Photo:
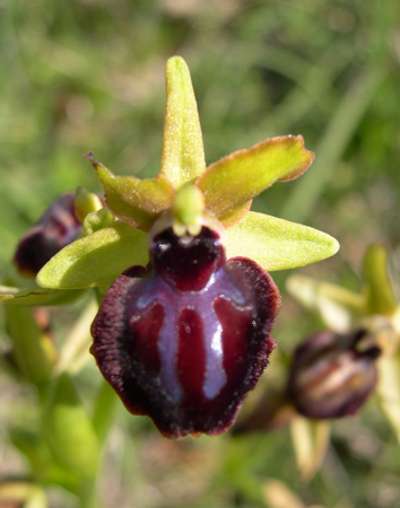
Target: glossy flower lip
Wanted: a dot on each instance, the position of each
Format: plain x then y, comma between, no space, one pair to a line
333,375
57,227
186,352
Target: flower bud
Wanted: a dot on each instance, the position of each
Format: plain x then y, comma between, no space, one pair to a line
332,375
57,227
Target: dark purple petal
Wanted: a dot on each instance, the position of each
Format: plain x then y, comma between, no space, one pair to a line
185,356
333,375
57,228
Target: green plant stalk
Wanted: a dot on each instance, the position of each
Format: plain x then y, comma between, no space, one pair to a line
104,409
76,345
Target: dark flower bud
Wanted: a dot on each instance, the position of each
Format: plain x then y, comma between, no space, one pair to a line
186,339
57,227
332,375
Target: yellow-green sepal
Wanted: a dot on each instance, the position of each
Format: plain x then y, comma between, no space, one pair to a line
95,260
183,153
135,201
277,244
242,175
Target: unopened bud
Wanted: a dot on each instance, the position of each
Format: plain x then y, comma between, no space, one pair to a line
332,375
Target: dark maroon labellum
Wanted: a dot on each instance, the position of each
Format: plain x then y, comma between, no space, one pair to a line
57,227
333,375
184,341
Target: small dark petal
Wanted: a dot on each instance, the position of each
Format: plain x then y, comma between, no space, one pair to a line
56,228
186,358
333,375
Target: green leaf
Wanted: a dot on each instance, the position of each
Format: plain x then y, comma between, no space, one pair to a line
183,152
238,177
37,297
135,201
337,306
276,244
68,430
379,290
30,444
32,348
96,259
310,442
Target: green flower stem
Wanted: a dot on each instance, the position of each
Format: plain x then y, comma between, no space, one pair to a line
310,442
104,410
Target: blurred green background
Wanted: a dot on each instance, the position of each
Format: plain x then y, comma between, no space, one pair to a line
88,75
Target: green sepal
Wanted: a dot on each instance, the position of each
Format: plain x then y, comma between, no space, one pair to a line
277,244
32,348
240,176
37,297
337,306
235,215
183,153
378,287
96,259
68,430
133,200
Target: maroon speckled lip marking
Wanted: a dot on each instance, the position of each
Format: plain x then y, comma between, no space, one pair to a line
57,227
186,340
